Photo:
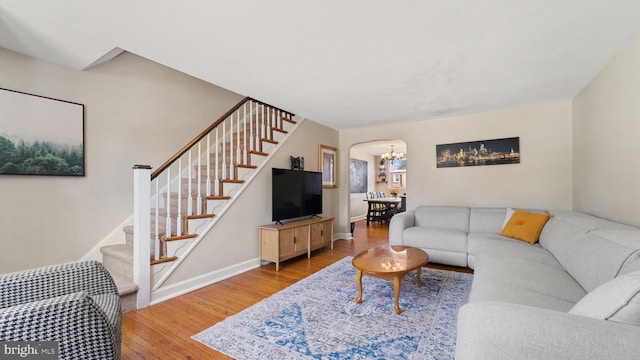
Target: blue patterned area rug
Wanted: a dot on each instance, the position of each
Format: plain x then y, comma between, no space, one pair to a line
318,318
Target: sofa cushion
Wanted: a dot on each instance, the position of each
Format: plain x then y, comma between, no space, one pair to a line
507,217
486,220
452,217
515,294
591,259
629,238
435,238
525,282
502,246
525,226
616,300
589,222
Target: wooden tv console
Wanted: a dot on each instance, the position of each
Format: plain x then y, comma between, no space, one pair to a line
282,242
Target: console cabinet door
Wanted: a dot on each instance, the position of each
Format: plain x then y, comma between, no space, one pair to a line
321,234
301,239
287,244
316,236
327,233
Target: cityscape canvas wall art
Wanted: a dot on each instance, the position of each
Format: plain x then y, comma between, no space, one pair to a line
40,135
475,153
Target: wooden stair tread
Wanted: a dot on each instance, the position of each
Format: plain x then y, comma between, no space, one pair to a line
289,120
180,237
246,166
232,181
255,152
164,260
280,130
201,216
219,197
269,141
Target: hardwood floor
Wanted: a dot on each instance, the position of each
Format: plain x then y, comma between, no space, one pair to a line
164,331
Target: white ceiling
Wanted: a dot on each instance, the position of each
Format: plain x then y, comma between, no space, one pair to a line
345,64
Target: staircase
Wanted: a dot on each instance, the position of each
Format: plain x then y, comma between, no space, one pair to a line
195,187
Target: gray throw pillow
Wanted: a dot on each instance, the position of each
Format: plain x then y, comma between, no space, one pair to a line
616,300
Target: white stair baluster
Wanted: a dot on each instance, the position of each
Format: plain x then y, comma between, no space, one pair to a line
167,229
269,123
216,180
199,199
252,144
263,126
189,190
208,191
238,132
156,254
279,120
244,139
274,123
231,160
178,222
224,149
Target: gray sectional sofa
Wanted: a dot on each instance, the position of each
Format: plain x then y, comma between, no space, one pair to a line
573,295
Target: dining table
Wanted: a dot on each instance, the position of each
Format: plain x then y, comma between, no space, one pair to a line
382,209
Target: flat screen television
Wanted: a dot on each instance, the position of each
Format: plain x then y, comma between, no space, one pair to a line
295,194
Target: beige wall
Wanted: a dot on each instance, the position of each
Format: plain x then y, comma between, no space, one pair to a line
136,111
606,146
541,180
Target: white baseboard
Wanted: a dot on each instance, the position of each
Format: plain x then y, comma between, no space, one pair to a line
173,290
342,236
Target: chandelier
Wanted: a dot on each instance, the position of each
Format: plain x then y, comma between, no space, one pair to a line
392,155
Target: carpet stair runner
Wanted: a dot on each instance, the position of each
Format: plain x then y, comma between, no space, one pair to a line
118,259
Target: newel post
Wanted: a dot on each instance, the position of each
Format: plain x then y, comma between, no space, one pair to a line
142,234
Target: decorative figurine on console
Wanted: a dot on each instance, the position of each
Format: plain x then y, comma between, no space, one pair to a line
297,163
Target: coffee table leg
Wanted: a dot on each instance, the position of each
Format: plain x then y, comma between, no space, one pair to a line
359,283
418,282
396,291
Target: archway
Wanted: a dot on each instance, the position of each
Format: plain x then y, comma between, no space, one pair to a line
368,174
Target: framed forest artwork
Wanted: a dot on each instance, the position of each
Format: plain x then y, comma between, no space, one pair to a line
40,135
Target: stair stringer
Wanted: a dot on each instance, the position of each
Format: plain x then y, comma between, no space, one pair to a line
163,271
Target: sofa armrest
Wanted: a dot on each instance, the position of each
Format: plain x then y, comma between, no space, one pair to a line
493,330
399,222
53,281
82,328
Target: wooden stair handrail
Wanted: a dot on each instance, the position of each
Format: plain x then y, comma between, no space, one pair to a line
195,140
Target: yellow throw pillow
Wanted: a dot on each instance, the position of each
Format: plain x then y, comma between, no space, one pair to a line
525,226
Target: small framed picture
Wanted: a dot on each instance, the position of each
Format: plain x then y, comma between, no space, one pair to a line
398,180
328,160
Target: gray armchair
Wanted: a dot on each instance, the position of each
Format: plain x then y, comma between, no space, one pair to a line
75,304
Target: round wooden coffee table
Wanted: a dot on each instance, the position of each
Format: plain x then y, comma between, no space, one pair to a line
390,263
